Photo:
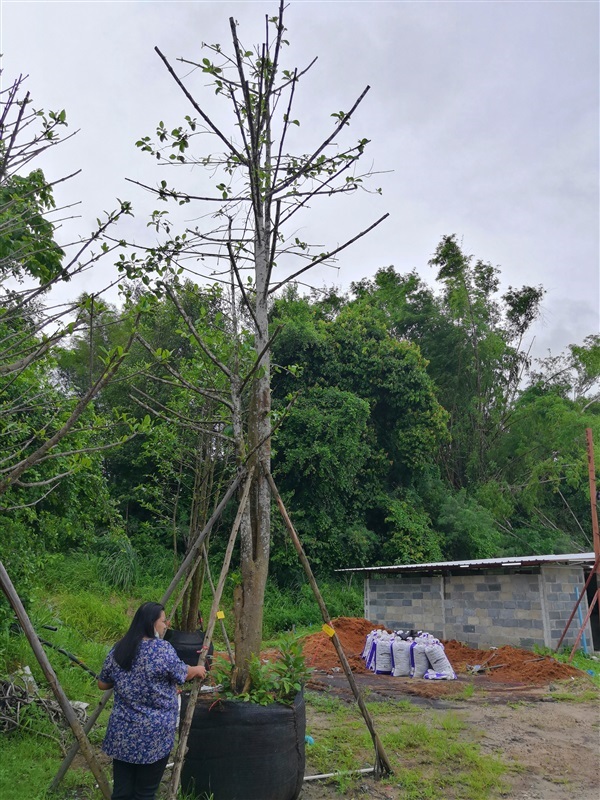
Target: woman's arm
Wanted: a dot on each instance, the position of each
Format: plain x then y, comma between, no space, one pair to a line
104,686
196,672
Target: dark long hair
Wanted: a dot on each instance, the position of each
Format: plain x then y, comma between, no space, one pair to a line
142,625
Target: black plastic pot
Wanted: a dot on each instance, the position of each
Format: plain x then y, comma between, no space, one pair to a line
243,751
187,645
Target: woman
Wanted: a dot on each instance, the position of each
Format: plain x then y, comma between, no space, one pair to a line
144,672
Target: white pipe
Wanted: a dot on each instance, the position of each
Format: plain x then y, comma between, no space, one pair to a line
335,774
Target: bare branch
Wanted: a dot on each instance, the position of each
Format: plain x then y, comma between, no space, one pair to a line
50,443
28,505
180,195
260,357
311,160
191,423
233,262
206,119
327,256
192,328
180,380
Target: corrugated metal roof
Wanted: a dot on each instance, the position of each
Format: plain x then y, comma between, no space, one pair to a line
482,563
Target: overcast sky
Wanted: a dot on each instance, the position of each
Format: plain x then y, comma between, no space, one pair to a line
483,119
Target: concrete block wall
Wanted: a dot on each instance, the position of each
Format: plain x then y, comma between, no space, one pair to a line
403,602
494,609
482,609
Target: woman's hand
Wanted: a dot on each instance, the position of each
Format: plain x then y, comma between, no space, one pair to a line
196,672
104,686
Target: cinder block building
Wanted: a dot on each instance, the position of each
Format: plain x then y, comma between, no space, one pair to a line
489,602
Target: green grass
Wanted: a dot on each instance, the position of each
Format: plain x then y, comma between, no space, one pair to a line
75,595
432,753
576,693
465,692
583,661
29,761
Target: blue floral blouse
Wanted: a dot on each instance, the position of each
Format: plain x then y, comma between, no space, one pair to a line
142,724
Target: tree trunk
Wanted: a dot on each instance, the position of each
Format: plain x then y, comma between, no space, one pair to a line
255,530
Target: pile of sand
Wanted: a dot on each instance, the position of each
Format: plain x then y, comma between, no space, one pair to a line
511,664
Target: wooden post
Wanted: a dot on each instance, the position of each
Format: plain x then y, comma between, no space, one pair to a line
382,764
74,749
203,556
222,623
67,709
187,563
193,699
595,536
593,496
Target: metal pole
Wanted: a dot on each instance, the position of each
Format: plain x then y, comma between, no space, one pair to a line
580,618
585,622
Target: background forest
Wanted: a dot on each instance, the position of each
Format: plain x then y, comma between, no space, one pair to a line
410,421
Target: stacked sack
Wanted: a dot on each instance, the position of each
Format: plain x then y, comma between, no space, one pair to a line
413,654
377,652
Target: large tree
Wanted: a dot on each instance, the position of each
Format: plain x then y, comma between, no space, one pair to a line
261,188
352,477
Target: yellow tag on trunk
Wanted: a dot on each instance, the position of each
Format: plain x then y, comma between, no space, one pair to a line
220,615
328,630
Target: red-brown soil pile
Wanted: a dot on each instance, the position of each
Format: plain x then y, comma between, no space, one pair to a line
510,663
320,653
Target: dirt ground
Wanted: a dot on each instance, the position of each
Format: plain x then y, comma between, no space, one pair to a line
553,746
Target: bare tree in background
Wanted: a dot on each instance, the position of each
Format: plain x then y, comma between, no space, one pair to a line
32,263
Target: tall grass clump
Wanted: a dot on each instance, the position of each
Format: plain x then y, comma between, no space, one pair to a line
120,563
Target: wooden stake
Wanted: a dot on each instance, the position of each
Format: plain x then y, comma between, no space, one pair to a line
382,764
324,775
222,623
593,502
74,749
67,709
68,759
193,698
189,559
596,539
202,557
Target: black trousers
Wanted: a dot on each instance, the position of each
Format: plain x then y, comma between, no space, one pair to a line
137,781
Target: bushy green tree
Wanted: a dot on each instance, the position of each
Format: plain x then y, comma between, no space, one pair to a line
340,346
